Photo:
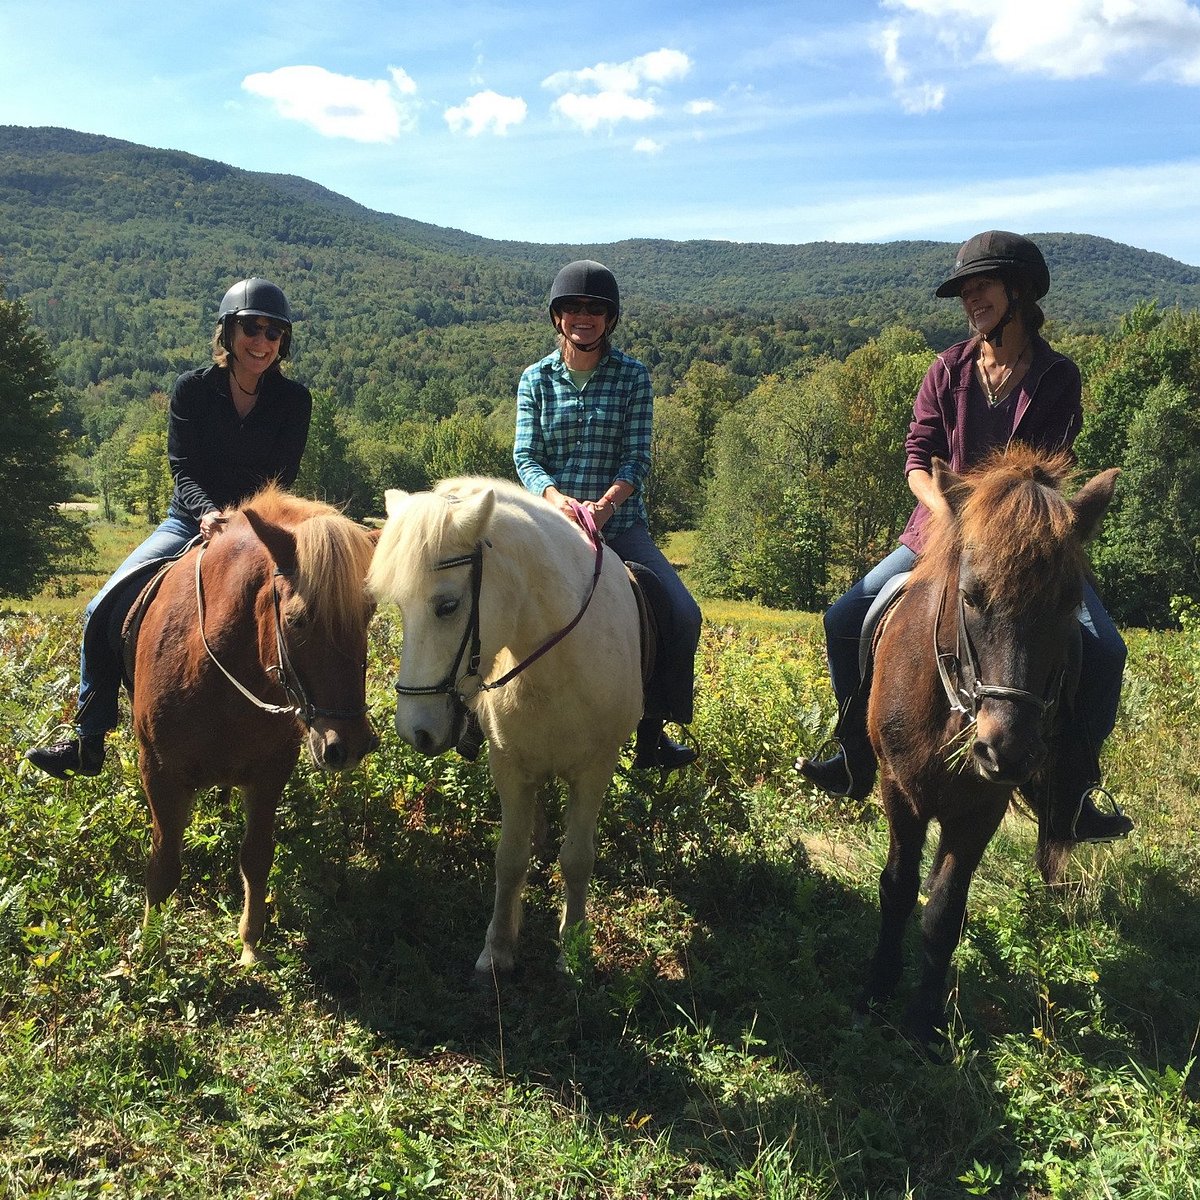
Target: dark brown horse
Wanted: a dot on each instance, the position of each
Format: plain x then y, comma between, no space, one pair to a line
969,674
254,641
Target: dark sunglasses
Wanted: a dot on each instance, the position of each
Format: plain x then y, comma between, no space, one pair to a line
593,308
251,328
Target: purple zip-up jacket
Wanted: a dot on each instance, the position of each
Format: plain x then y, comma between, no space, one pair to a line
1047,415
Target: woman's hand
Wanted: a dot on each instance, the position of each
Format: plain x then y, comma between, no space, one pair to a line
212,523
564,504
601,510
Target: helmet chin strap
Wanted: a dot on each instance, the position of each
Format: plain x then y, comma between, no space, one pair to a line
996,337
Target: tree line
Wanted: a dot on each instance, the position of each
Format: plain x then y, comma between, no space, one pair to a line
793,482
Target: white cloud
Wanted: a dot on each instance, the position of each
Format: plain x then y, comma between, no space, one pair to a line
588,112
647,146
486,110
698,108
340,106
1062,39
1109,201
914,98
658,67
612,92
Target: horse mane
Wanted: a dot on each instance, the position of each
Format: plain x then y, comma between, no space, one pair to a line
411,547
333,555
1016,526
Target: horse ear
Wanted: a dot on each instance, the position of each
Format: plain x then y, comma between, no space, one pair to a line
471,516
280,543
1092,500
949,484
393,500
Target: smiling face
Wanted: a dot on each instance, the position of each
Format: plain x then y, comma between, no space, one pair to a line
582,321
254,351
985,301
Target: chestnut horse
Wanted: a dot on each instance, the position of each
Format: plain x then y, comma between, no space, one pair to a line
253,641
969,671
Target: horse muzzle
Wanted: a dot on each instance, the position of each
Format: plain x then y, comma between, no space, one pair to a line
334,747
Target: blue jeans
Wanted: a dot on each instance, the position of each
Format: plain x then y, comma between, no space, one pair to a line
636,545
99,673
1103,663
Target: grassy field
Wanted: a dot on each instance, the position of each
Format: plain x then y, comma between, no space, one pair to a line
704,1046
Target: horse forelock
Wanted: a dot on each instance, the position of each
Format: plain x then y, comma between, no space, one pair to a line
1017,529
411,544
333,556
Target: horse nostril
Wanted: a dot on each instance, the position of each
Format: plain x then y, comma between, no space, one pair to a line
335,754
423,741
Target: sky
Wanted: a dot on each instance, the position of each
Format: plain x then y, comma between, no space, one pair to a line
593,121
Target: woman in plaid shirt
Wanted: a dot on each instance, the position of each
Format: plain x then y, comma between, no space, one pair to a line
584,420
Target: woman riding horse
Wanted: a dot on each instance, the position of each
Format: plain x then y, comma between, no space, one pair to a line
1003,384
233,427
584,418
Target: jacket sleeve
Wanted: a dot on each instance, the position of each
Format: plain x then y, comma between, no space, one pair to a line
638,429
928,436
295,433
185,434
529,447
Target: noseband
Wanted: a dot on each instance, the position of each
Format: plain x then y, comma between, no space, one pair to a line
470,646
960,674
288,678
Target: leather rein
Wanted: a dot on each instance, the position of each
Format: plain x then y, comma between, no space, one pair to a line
470,646
301,706
960,674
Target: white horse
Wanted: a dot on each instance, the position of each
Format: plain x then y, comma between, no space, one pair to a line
487,578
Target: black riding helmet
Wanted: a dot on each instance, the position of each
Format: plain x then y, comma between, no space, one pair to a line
997,252
256,297
591,280
1009,256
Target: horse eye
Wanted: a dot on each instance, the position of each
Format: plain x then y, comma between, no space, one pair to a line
446,608
297,619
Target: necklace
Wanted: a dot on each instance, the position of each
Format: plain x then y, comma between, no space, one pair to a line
996,394
245,390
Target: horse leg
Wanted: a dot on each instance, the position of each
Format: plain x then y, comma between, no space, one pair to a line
577,855
964,838
170,810
899,883
518,800
255,859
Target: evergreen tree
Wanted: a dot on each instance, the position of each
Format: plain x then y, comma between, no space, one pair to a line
36,539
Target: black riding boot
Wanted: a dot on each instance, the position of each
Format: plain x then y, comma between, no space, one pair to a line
64,760
1071,792
654,750
850,769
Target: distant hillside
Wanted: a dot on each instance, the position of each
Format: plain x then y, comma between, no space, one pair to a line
121,252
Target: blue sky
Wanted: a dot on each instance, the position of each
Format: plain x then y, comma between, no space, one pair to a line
747,120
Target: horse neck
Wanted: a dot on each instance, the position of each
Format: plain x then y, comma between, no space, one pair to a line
534,582
239,603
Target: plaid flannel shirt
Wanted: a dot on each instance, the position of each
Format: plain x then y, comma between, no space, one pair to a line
583,441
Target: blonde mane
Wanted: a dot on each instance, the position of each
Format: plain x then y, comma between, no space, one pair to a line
333,555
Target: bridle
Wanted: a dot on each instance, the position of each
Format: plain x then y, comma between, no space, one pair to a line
960,674
470,648
301,705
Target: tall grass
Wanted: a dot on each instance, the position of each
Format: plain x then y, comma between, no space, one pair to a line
704,1045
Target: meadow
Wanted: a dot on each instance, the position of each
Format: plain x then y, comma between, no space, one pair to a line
703,1044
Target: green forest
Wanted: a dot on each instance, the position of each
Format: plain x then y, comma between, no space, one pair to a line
784,374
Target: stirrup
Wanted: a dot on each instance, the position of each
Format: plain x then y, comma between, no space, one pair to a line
1122,825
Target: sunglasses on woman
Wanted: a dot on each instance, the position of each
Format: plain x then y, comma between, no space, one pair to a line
593,308
251,328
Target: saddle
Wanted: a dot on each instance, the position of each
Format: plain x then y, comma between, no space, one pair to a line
654,624
110,637
876,621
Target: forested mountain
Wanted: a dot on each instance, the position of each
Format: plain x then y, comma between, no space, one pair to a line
121,253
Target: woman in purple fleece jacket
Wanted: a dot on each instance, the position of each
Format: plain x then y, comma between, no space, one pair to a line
1003,383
